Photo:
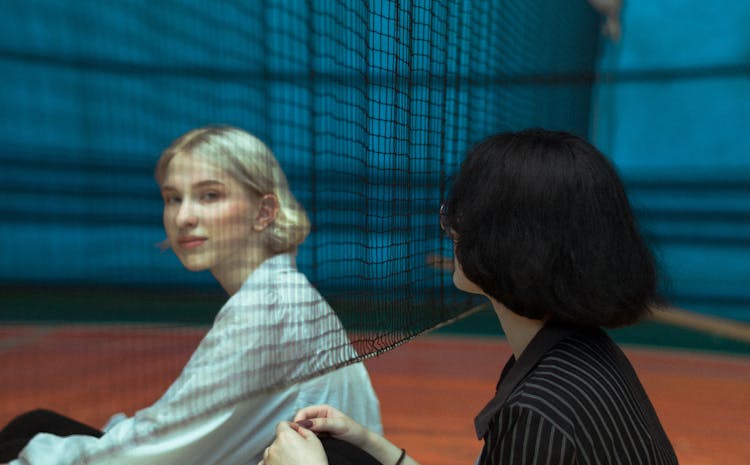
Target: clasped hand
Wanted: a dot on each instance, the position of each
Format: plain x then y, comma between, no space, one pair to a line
297,443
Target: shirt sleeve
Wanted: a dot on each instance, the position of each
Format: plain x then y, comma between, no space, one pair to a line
527,438
268,334
228,364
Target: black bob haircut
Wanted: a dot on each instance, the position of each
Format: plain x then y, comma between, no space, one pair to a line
542,224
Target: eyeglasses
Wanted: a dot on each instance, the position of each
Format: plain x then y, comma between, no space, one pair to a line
444,223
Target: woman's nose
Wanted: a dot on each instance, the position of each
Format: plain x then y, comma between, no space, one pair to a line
186,216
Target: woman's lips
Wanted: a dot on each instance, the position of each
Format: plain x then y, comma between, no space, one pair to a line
191,242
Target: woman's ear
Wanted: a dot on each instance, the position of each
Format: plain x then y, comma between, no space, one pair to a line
268,210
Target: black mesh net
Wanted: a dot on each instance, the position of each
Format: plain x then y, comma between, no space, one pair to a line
367,105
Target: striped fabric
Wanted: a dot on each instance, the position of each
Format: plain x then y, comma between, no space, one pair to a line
574,399
225,404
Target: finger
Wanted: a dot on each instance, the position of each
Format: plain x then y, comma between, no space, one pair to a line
312,438
305,424
284,426
324,425
301,430
314,411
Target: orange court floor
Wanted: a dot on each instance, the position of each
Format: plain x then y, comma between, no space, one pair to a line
429,389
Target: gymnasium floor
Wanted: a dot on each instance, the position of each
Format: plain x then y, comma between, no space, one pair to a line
430,388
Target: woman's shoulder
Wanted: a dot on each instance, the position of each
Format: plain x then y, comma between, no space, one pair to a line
583,376
587,360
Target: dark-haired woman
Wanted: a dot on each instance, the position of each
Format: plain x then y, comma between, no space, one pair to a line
541,226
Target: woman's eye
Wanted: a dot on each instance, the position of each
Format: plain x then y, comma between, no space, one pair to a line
210,196
171,199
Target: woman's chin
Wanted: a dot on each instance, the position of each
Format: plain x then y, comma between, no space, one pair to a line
194,265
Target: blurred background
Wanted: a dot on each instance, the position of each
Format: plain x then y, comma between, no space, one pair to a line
369,106
672,102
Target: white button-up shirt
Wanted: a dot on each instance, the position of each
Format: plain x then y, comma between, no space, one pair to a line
276,330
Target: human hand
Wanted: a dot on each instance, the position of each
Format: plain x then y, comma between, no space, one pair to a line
326,419
294,445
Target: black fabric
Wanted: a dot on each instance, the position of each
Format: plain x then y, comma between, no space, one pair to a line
514,372
20,430
572,400
342,453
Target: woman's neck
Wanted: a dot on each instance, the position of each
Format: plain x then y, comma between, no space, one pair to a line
518,330
232,275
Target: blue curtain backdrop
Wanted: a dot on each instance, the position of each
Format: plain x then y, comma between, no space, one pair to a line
368,106
672,109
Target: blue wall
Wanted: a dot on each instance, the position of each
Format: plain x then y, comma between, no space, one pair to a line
369,106
673,112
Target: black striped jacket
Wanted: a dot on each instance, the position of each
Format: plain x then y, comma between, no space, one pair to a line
571,398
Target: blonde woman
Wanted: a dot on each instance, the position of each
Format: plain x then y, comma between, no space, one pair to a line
227,209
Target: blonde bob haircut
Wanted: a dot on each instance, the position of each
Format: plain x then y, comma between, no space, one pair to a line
247,159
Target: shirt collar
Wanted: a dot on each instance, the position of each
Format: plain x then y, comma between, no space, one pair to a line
269,268
516,370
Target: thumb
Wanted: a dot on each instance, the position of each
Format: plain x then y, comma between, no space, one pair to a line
304,432
333,426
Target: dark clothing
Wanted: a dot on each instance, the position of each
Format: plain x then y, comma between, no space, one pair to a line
17,433
342,453
571,398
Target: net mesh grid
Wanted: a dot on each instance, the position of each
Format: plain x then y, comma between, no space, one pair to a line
368,105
